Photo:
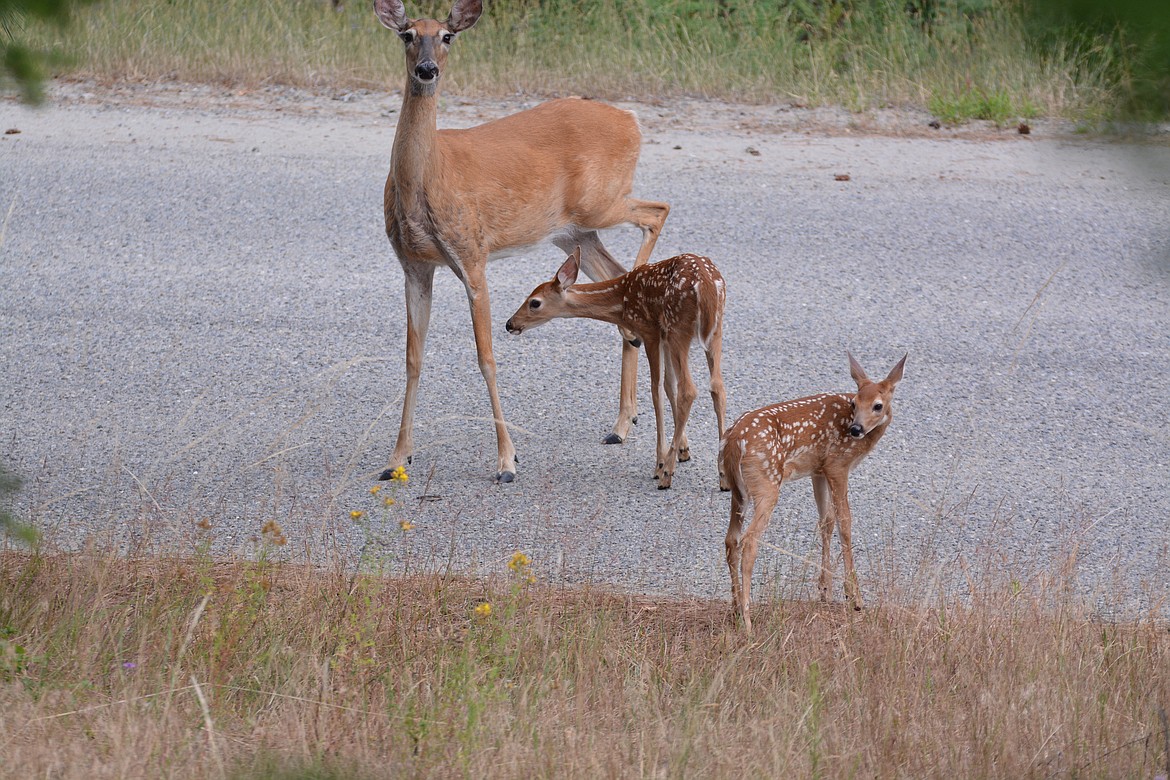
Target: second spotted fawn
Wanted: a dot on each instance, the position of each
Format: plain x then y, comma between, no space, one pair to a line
823,436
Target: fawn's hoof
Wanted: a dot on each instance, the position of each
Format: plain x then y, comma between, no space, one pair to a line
684,454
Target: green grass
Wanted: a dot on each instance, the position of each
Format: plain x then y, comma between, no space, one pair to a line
860,55
997,107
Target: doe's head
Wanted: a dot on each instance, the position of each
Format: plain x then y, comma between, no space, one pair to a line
872,405
547,301
427,40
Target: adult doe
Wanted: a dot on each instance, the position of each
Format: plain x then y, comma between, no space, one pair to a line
667,305
823,436
458,198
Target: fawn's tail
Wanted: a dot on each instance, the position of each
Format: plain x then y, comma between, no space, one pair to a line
730,457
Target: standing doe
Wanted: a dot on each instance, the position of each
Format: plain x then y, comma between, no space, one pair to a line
667,305
823,436
458,198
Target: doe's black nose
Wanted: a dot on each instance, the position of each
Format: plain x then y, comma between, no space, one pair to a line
426,70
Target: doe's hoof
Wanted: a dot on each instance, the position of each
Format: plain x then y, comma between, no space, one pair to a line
388,474
505,476
613,438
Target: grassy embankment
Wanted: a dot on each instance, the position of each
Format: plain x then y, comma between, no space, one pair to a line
185,666
961,59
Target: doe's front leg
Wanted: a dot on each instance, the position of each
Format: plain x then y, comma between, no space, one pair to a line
481,321
419,280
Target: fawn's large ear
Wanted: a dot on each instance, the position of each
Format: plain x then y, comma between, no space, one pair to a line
464,14
856,371
392,14
896,372
567,275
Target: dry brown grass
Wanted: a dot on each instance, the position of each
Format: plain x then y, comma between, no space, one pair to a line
319,673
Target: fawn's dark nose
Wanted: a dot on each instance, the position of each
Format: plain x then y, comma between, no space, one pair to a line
856,431
510,327
426,71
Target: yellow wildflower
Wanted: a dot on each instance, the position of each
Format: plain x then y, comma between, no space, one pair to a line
405,525
356,514
374,490
388,501
519,561
399,474
484,610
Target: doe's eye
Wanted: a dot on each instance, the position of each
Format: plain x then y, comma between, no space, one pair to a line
448,37
407,37
878,406
534,303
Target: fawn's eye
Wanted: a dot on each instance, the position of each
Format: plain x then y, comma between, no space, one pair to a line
448,37
534,303
853,406
878,406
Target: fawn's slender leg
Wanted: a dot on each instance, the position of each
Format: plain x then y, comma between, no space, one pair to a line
714,352
672,385
825,522
734,549
764,501
680,405
657,395
839,488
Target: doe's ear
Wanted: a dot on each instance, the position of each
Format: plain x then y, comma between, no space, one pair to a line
567,275
464,14
856,371
896,372
392,14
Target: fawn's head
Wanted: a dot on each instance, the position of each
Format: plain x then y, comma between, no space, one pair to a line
872,406
427,40
547,301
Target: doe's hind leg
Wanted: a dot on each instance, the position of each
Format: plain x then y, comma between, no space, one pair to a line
598,264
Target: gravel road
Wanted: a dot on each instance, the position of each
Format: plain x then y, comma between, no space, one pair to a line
202,319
